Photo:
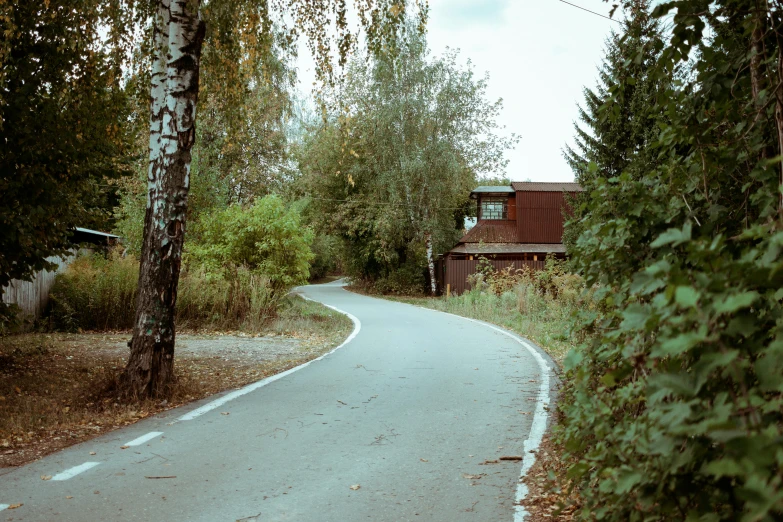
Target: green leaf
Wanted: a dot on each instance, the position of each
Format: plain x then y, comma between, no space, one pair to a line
732,303
681,343
673,236
686,296
635,317
723,468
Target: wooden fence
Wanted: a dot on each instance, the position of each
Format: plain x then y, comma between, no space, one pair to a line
455,272
33,296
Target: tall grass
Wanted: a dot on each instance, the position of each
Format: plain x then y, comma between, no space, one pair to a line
99,293
536,305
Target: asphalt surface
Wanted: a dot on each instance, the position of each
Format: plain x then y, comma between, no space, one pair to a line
392,426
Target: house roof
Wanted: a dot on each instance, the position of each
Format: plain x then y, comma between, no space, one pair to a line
488,189
537,186
491,231
493,189
508,248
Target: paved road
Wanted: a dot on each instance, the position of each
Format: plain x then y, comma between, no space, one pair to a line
407,410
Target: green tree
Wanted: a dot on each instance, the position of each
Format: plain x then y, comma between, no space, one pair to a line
178,31
61,129
619,122
404,152
265,237
674,404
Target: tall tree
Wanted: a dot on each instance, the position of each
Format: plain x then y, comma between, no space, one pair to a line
179,28
415,133
62,130
618,121
674,408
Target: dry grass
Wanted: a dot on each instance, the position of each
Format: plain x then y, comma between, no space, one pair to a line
57,389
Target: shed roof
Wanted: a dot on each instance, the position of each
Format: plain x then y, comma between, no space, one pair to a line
508,248
491,231
541,186
491,189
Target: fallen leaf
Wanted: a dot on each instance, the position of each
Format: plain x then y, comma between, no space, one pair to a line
92,453
424,460
511,457
14,506
472,477
46,477
355,487
18,390
225,413
489,462
69,497
124,447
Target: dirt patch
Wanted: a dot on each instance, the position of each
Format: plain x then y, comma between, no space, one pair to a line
53,387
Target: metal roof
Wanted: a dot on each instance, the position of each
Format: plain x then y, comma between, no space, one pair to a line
94,232
489,189
491,231
508,248
541,186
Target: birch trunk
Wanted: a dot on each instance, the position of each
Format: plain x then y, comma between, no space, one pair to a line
430,263
177,37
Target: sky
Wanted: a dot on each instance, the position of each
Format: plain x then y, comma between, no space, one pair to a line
540,54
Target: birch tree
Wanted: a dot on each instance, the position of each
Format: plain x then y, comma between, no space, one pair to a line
414,133
178,32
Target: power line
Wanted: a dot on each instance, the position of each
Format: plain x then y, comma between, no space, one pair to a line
592,12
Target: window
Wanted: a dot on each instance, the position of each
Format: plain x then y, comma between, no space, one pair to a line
494,207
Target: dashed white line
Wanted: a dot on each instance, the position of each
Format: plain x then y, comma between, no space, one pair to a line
144,438
357,326
70,473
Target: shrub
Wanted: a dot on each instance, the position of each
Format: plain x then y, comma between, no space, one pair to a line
265,238
95,293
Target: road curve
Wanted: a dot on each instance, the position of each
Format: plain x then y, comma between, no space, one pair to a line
392,426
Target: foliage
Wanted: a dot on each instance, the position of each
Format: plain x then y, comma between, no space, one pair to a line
326,256
674,403
390,168
620,124
99,293
61,126
517,301
95,292
265,237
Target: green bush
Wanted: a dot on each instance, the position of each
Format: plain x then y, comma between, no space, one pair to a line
95,292
266,238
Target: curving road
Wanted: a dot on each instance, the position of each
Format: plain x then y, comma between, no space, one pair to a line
407,410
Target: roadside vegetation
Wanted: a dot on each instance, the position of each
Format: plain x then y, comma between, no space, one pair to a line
538,305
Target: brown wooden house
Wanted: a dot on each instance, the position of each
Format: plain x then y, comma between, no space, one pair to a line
518,225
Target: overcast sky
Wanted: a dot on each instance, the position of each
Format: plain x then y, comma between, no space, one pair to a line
539,55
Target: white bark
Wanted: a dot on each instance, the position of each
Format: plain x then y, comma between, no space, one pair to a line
431,263
177,38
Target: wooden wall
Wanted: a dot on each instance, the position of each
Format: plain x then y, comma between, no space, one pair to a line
33,296
540,217
455,272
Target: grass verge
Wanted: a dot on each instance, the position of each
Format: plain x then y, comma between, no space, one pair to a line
548,330
55,389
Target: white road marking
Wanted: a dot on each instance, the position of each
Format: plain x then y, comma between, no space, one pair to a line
538,427
70,473
4,506
357,326
144,438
